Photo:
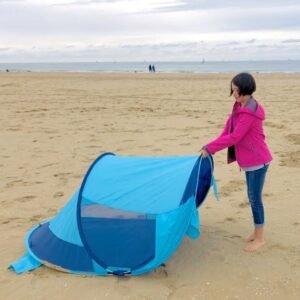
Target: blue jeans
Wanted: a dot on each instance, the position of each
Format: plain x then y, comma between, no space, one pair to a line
255,183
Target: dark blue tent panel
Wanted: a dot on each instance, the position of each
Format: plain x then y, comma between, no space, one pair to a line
128,243
49,248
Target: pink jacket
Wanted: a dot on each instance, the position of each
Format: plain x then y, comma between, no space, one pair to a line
247,137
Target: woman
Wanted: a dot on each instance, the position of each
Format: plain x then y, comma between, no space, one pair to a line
244,137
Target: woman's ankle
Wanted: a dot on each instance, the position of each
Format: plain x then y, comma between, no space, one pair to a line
259,233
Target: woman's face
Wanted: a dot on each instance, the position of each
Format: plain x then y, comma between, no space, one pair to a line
236,93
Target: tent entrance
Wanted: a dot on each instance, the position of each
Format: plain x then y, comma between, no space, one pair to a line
117,238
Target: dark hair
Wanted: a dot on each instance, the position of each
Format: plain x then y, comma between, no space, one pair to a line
245,82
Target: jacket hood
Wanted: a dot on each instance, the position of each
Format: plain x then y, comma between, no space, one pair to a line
258,113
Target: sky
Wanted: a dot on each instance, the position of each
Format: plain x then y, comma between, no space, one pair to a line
144,30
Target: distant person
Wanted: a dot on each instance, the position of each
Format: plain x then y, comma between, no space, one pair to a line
244,137
153,68
150,68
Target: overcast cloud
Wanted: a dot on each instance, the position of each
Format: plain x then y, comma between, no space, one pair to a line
138,30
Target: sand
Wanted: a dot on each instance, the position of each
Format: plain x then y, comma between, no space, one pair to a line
52,127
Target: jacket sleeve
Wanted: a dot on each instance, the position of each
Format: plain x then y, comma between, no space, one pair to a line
225,131
227,139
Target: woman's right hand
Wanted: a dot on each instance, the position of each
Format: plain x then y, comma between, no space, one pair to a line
204,153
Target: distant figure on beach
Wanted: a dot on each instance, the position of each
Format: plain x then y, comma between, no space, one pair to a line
153,68
150,68
243,136
7,70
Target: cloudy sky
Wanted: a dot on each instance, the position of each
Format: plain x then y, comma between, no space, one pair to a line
138,30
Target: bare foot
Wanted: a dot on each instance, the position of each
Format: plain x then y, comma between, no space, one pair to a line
250,238
255,245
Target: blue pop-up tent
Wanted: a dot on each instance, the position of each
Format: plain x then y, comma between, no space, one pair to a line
128,217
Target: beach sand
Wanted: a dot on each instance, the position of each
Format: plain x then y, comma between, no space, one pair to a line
52,127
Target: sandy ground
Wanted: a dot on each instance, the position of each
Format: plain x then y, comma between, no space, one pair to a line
52,126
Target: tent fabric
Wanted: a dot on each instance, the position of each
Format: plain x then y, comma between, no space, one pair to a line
128,217
25,263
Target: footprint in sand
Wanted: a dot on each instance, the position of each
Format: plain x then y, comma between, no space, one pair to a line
233,236
244,204
36,110
211,122
274,125
14,129
278,247
47,165
290,159
145,146
5,221
93,146
37,218
58,194
52,210
173,138
294,138
185,144
25,198
181,135
232,186
9,85
22,183
267,195
14,183
128,141
63,177
77,176
230,219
